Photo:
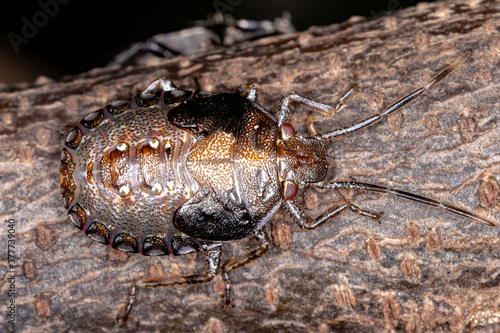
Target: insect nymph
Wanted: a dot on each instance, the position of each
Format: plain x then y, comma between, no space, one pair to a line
175,172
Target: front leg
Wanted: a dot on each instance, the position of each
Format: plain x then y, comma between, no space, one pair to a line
325,109
337,208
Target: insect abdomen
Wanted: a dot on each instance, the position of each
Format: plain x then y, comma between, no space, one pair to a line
123,175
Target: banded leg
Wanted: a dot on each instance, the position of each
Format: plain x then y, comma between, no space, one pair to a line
331,212
406,195
251,92
233,264
213,263
162,84
327,110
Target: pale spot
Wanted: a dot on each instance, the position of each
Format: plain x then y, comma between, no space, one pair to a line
91,117
154,143
121,146
170,185
124,190
177,93
157,188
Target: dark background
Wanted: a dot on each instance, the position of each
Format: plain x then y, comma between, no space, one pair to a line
82,35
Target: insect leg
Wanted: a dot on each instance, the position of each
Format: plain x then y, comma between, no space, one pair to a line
407,195
233,264
331,212
251,92
162,84
213,263
327,110
403,101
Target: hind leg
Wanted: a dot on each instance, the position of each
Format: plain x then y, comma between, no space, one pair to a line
213,263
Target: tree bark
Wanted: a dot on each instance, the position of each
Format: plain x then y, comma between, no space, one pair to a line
418,269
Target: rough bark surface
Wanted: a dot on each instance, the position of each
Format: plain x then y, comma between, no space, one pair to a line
419,269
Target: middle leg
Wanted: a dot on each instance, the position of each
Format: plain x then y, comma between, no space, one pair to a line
235,263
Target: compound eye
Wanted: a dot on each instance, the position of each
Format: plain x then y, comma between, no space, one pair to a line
289,190
287,131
